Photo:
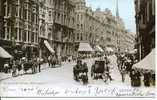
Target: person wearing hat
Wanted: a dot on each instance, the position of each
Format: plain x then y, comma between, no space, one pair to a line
77,69
147,76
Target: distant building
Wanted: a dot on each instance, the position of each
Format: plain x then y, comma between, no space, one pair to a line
101,28
145,26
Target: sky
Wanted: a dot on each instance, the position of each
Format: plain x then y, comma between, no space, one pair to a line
126,10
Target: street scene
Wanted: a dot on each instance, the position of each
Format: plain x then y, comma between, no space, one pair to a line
77,48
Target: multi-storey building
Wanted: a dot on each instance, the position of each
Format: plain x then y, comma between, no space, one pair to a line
20,28
100,28
1,16
145,26
57,24
63,27
46,18
87,25
80,9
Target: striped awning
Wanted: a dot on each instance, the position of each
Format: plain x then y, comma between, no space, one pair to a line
48,46
85,47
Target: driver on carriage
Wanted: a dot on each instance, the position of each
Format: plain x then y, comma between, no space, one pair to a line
84,68
77,69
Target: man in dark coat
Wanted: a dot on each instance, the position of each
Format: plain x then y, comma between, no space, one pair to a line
77,69
135,76
84,68
138,78
146,80
132,77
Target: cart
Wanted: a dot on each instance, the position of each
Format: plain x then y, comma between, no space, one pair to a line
98,69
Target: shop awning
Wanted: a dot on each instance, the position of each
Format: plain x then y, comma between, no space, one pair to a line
133,51
109,49
98,48
4,53
49,46
85,47
148,62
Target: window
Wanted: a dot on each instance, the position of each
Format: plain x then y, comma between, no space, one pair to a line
32,37
29,36
15,34
81,26
25,14
20,34
58,17
7,33
49,15
77,36
24,36
16,10
81,17
29,16
77,17
81,37
20,13
8,10
33,17
77,26
5,10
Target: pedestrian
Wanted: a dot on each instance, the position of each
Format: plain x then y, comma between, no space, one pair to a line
132,77
14,68
135,78
19,67
138,75
10,65
147,76
39,64
49,60
76,70
153,78
84,68
53,60
108,72
123,72
6,67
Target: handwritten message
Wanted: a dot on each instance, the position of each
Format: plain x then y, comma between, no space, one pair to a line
86,91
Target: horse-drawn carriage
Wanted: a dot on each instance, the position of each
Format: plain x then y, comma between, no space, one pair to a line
101,70
30,65
97,69
80,72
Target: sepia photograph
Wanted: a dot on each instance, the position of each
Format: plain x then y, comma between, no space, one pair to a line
77,48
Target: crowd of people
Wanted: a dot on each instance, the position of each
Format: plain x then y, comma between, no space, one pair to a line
125,66
124,62
22,65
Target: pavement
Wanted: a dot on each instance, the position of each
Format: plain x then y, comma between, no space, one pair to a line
5,76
